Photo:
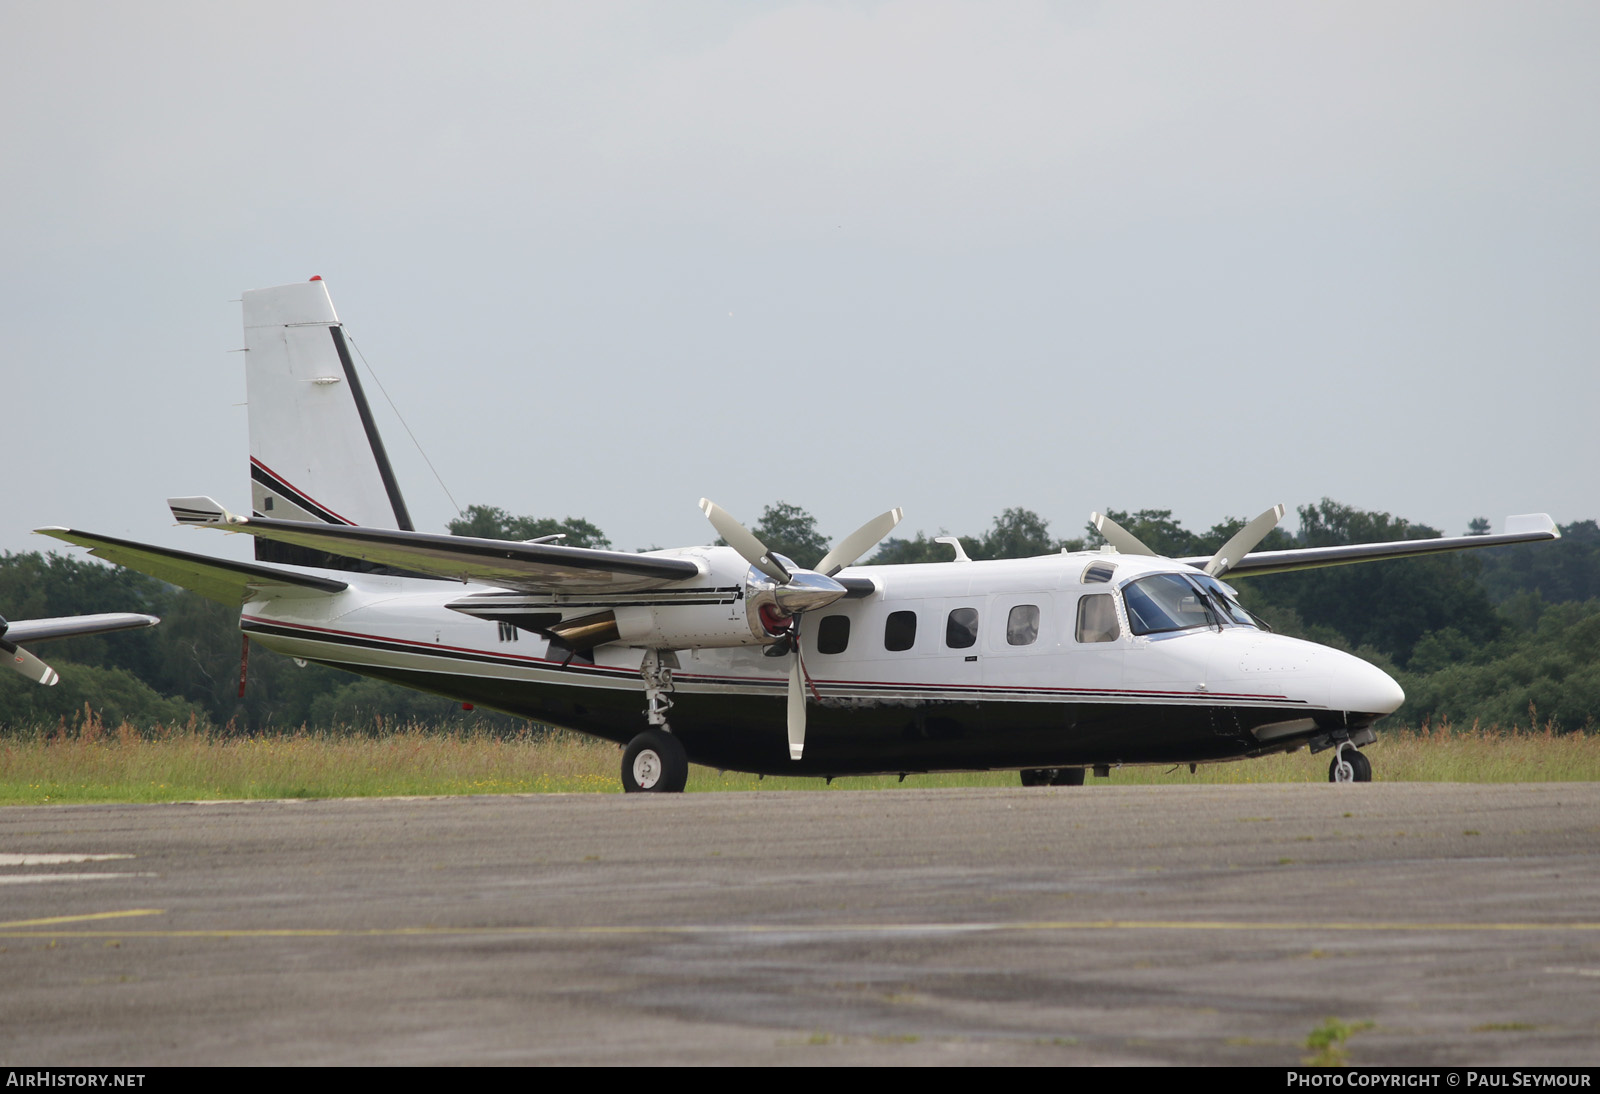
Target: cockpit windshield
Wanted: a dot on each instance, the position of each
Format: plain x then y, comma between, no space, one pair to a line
1224,600
1179,602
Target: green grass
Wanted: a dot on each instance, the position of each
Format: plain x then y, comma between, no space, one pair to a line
89,763
1327,1042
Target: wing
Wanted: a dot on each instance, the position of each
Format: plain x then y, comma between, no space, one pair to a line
227,582
525,567
1531,528
74,626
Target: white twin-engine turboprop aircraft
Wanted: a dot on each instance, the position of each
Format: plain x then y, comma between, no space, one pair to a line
1047,665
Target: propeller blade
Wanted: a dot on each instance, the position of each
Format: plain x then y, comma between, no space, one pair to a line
739,538
1243,541
797,708
27,664
1118,536
858,543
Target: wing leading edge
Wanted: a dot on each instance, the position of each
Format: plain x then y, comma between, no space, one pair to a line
1529,528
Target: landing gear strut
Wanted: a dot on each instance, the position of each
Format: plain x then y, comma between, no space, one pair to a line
655,760
1349,765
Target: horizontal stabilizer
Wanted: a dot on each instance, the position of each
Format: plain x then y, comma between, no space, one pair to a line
224,581
1529,528
527,567
200,510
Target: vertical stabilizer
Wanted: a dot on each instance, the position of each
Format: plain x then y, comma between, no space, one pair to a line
315,453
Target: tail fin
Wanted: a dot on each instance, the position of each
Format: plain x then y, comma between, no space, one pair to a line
315,453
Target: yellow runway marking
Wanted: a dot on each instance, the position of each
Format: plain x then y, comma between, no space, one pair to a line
78,918
11,930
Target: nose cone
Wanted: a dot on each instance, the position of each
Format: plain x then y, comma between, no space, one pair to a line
1364,689
807,591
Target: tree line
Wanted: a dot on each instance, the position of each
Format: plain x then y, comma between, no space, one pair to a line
1508,635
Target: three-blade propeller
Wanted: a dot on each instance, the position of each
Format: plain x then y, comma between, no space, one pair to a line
1227,556
1243,542
799,590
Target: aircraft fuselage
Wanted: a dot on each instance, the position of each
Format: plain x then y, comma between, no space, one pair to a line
949,666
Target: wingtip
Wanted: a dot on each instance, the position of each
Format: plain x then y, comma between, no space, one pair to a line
1532,522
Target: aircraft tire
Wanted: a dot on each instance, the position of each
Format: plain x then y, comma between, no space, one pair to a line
1035,776
1360,768
1067,776
654,763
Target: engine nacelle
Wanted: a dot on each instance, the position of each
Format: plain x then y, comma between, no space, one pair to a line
746,614
730,604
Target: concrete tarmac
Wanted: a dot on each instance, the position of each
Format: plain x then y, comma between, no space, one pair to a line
1092,925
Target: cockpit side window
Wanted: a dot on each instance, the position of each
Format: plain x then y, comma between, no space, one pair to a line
1097,618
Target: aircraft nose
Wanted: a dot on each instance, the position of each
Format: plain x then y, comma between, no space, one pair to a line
1365,689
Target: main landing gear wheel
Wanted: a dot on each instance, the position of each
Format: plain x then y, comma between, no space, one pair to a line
1068,776
655,762
1349,766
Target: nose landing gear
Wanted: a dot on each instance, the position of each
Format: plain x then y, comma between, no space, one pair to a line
1349,765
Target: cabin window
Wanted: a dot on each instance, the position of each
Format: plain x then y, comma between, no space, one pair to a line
900,631
1022,626
961,629
1098,572
833,634
1097,618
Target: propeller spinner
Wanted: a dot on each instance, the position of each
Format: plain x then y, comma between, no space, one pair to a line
798,590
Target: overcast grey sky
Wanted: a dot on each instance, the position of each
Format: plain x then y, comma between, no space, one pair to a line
609,258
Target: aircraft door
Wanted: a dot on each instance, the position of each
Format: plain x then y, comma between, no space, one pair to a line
962,624
1098,645
1021,639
